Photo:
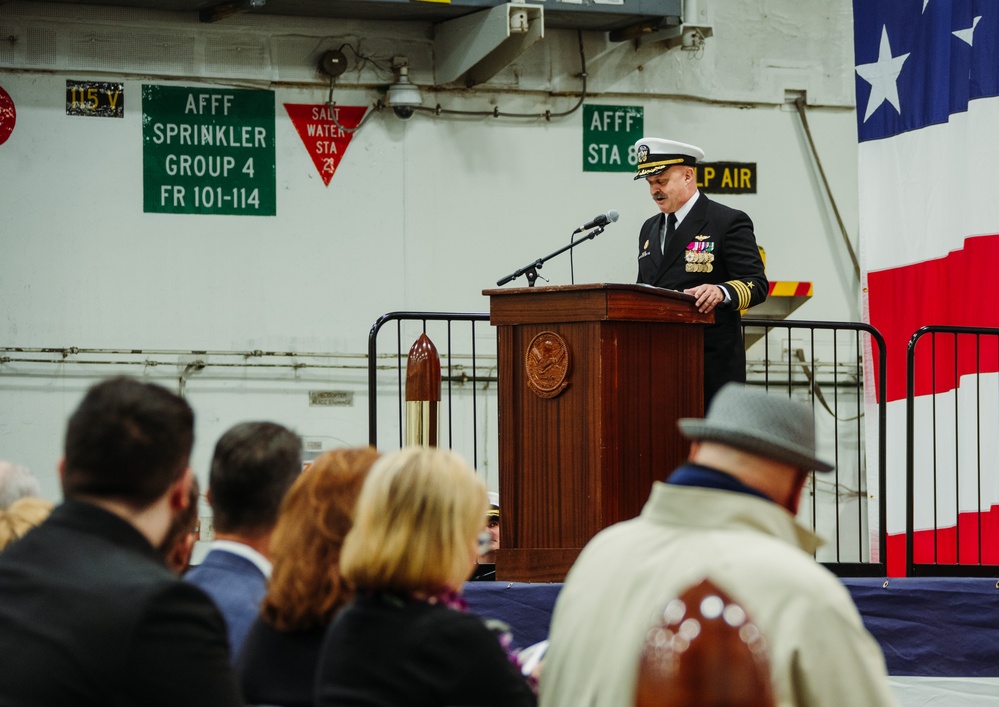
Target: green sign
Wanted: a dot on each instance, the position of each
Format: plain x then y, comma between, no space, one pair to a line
208,151
609,137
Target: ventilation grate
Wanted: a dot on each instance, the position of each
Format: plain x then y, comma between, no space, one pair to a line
42,47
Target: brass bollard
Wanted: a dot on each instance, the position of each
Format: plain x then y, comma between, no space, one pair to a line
423,393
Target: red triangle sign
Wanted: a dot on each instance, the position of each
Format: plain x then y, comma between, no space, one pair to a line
324,140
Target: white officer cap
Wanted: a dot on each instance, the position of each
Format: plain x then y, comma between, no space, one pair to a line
656,155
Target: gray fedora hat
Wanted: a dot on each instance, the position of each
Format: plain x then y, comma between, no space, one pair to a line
771,426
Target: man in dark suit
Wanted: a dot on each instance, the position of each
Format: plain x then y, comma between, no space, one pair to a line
253,467
703,248
89,614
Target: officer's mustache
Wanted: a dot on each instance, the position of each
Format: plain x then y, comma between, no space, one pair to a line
659,196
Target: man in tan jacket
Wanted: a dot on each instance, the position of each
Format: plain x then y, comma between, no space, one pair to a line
728,515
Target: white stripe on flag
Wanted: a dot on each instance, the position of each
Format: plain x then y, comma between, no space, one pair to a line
923,192
947,440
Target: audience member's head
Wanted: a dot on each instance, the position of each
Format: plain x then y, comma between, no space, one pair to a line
16,482
128,441
765,441
306,588
89,613
492,529
253,466
21,516
416,525
178,544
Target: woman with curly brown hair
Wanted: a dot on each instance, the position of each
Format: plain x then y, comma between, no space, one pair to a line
277,664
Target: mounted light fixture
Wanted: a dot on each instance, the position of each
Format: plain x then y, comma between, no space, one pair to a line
474,48
403,97
689,35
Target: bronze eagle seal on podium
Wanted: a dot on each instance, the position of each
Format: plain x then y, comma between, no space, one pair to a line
547,364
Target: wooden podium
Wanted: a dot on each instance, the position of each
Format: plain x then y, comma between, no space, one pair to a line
592,379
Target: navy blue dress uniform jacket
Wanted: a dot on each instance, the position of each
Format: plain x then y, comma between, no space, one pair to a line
90,615
713,244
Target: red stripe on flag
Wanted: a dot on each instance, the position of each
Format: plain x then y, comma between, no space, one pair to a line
946,546
954,291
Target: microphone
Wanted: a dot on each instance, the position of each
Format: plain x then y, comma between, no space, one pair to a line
601,220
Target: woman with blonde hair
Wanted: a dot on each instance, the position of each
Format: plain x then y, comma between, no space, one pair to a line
21,516
406,639
277,663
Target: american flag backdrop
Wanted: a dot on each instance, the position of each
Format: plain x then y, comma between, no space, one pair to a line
927,81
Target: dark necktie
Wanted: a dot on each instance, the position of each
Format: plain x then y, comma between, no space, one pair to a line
670,230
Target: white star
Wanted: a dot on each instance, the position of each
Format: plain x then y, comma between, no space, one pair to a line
883,75
968,35
925,3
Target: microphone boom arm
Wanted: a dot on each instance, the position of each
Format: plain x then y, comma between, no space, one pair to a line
531,270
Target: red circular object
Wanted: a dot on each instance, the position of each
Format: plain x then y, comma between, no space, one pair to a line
8,116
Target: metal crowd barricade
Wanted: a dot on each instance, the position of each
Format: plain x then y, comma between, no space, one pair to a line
952,462
821,364
465,366
818,362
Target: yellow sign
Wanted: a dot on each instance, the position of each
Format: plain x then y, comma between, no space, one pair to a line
727,177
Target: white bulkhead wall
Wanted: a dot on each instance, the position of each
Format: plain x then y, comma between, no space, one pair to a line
421,214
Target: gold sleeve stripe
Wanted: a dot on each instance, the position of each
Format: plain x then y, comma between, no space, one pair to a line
733,285
747,295
742,291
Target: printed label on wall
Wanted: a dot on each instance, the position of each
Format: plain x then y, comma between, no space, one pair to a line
325,132
208,151
331,398
95,98
8,116
609,137
727,177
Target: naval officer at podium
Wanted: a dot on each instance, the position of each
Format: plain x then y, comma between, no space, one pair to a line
703,248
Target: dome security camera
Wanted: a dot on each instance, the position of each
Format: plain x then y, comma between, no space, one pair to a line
403,97
403,112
